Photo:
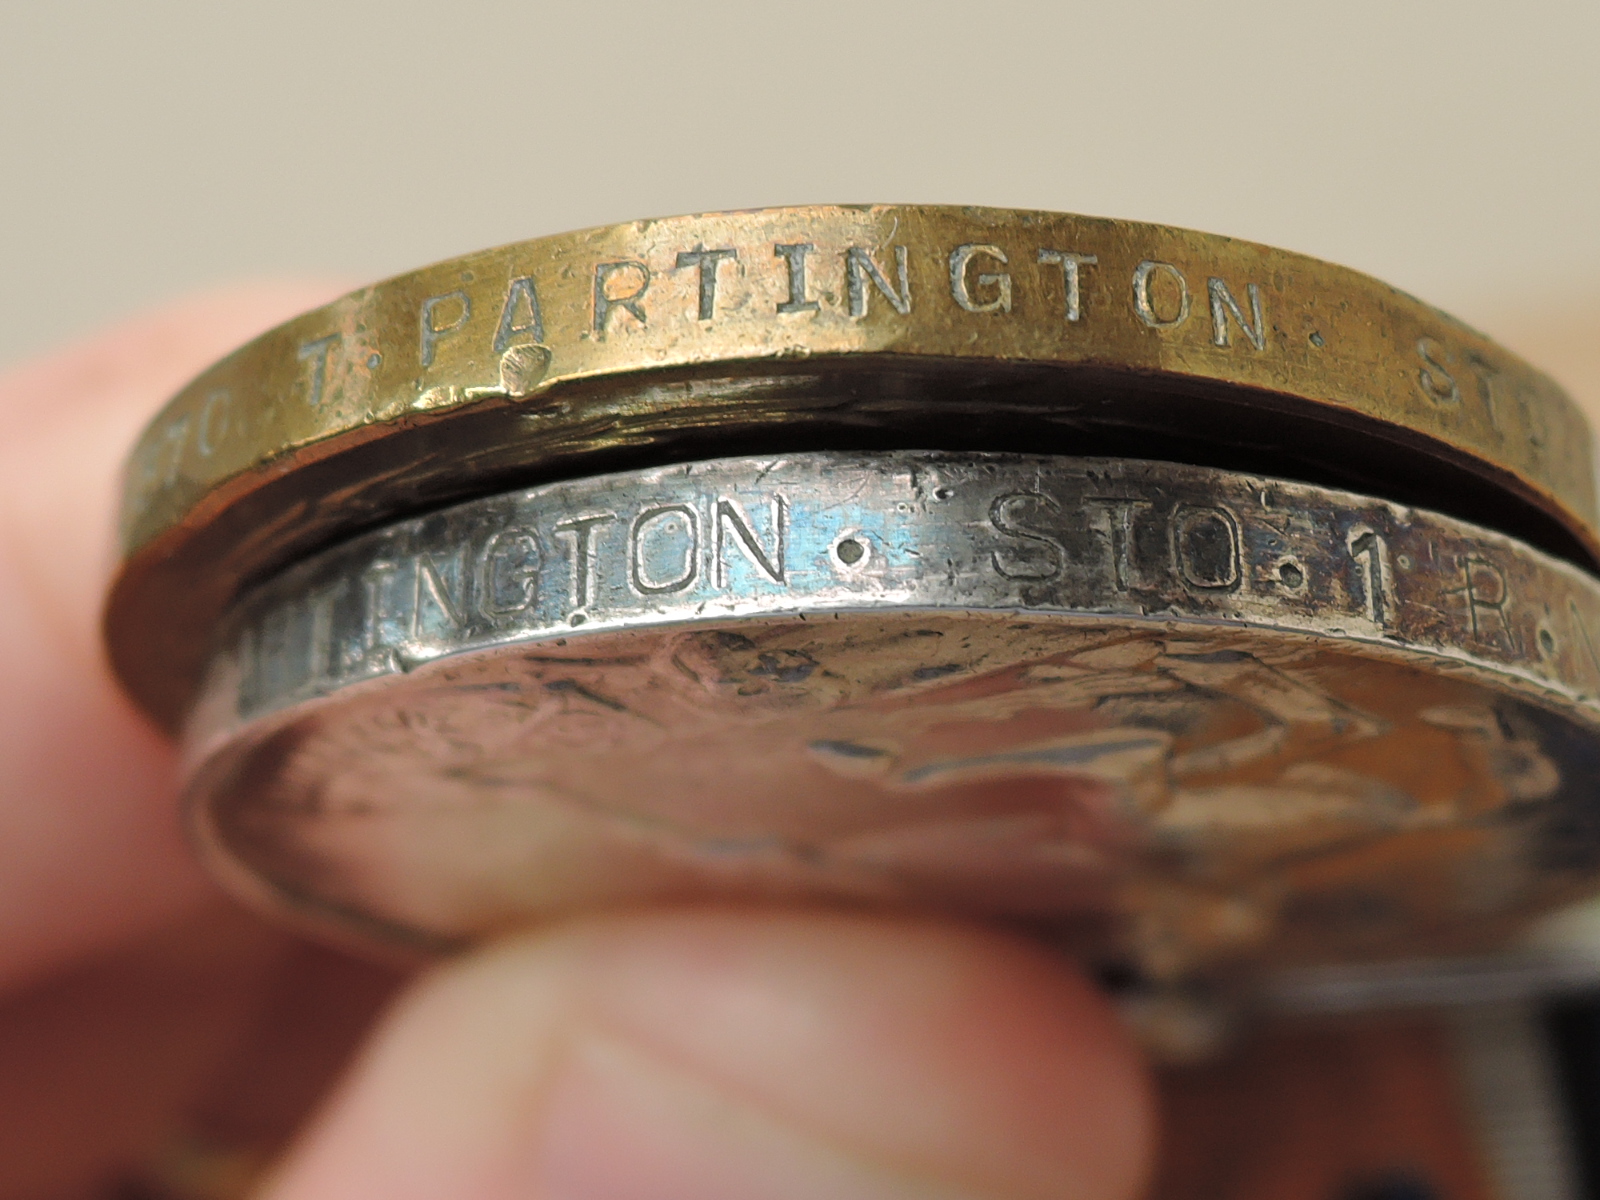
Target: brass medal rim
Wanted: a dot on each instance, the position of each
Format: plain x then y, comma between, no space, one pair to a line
592,350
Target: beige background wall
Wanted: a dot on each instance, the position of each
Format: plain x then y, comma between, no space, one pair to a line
147,149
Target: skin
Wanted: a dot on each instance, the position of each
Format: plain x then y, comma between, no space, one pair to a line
692,1054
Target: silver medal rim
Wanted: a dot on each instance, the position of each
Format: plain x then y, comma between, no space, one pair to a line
832,533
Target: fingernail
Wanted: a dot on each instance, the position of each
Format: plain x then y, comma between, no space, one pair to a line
623,1125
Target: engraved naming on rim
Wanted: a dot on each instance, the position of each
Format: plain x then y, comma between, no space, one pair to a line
974,277
979,280
841,532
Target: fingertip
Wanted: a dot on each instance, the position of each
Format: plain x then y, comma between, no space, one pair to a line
90,847
716,1053
139,362
992,1059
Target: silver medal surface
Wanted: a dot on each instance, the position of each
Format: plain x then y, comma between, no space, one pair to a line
1190,720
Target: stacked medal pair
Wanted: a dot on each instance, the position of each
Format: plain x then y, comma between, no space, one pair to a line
1214,609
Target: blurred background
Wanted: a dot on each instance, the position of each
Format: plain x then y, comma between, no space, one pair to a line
1452,148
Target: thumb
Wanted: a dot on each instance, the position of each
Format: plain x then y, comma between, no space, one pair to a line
717,1055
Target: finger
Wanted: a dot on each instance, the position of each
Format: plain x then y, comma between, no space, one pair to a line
103,1060
201,1047
709,1055
90,851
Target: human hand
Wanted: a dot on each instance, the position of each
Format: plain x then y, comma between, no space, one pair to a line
689,1054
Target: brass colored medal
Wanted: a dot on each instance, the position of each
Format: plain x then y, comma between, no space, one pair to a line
828,328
